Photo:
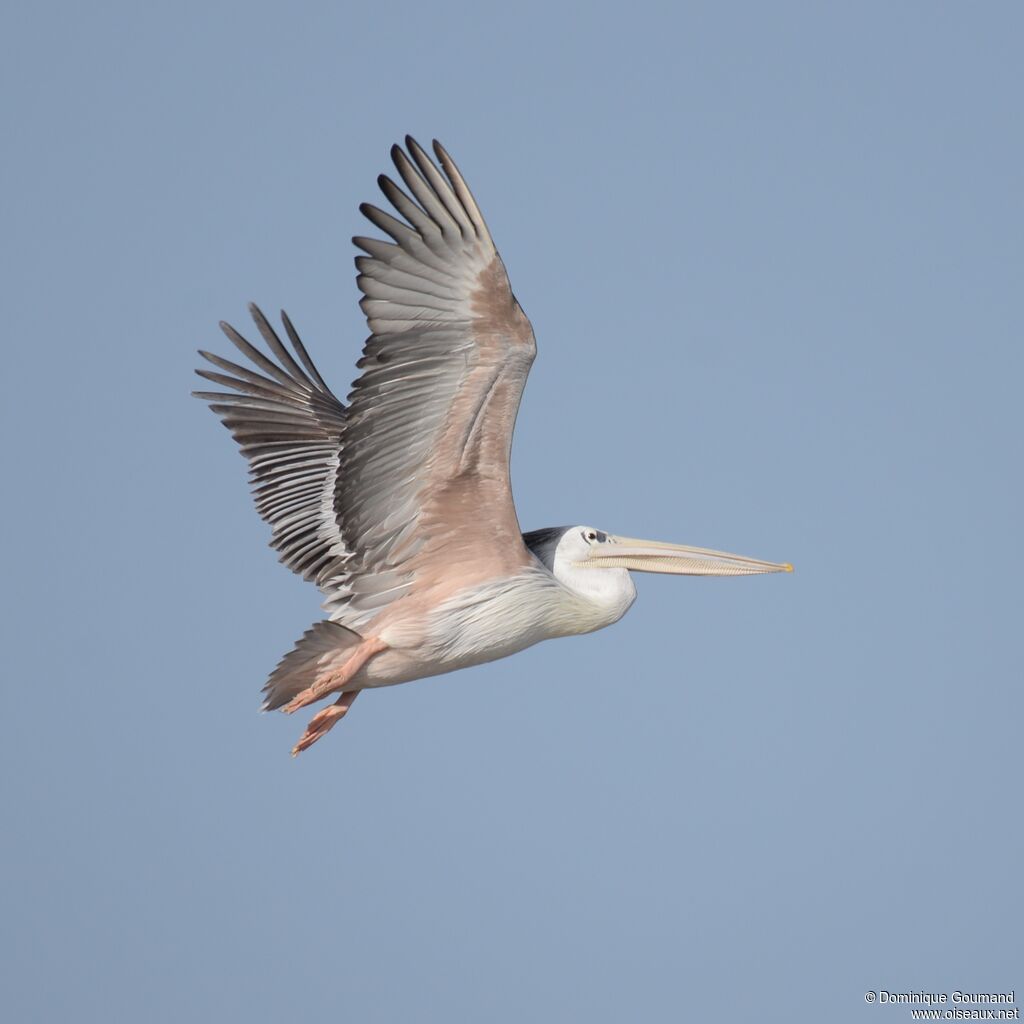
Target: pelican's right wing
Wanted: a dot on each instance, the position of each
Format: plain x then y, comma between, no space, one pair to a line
424,473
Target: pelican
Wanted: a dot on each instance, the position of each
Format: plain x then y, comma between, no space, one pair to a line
398,505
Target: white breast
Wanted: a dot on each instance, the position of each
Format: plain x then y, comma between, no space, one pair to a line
511,614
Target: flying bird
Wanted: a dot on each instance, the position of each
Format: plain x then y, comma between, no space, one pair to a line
398,505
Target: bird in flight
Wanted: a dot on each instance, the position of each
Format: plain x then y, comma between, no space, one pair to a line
398,505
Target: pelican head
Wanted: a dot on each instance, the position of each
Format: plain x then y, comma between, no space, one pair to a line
584,547
572,553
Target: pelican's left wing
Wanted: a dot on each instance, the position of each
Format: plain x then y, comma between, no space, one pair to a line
288,425
424,483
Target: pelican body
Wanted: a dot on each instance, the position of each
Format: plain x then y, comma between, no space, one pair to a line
398,504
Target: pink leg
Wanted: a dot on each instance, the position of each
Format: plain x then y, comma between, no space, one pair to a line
336,679
323,721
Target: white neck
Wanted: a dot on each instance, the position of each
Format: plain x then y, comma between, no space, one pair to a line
610,592
593,596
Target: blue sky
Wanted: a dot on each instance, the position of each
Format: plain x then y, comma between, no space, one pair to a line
773,256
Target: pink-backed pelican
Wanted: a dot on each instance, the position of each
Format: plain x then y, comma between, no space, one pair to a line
399,505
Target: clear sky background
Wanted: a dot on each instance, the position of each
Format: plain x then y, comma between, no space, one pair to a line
773,256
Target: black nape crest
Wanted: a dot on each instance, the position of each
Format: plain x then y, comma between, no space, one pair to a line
543,543
539,539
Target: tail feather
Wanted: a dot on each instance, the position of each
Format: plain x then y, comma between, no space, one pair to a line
322,644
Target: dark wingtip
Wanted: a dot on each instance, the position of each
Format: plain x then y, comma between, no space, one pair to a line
362,242
257,315
413,146
230,333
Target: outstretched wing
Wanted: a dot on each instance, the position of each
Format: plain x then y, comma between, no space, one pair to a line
424,490
289,426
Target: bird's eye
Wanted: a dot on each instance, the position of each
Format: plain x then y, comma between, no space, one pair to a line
591,535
